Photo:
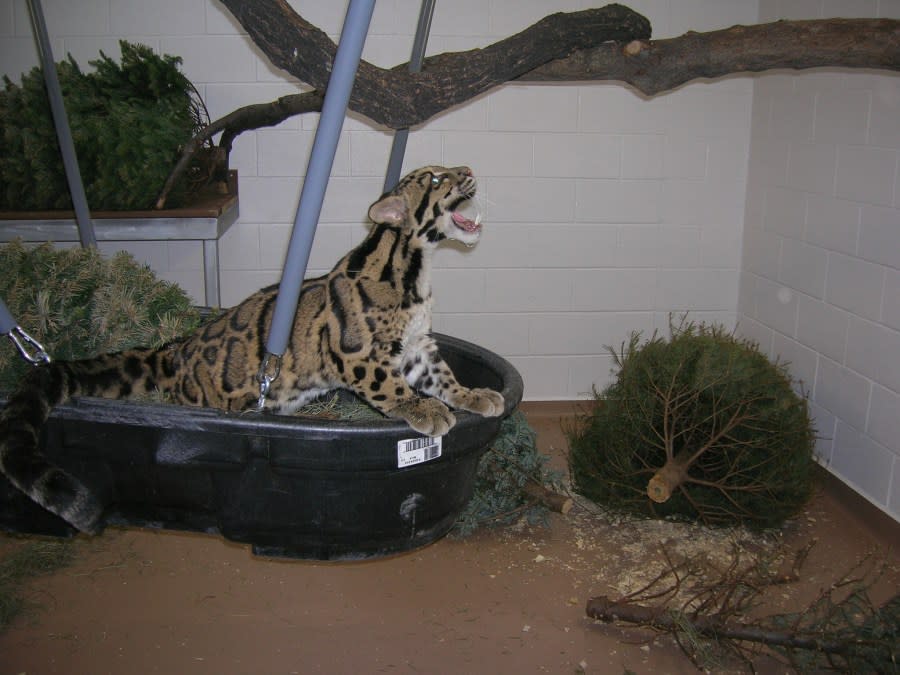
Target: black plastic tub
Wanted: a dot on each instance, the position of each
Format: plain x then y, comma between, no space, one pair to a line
295,487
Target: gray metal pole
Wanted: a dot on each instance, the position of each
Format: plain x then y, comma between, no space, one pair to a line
334,108
420,42
61,121
7,322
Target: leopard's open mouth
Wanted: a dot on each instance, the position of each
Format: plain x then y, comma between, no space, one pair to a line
466,224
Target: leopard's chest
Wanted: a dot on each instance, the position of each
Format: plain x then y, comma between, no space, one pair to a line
399,327
418,322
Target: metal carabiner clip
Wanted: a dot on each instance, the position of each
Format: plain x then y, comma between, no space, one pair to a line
265,378
23,342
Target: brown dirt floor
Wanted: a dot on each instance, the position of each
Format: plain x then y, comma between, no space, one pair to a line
508,600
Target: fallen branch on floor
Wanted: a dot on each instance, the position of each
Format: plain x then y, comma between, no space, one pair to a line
842,629
552,500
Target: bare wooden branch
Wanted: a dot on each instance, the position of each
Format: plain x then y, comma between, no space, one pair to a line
604,609
721,628
661,65
552,500
399,99
607,43
243,119
842,628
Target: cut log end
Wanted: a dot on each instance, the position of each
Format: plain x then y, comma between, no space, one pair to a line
658,489
634,48
552,500
667,479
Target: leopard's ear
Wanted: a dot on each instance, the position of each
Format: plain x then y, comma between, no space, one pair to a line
390,210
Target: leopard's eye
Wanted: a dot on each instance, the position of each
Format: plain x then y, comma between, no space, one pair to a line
435,180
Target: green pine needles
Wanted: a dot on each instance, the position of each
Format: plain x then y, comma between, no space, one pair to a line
702,426
79,304
504,472
129,123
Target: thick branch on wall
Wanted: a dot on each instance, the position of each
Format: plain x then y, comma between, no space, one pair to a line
661,65
576,46
395,97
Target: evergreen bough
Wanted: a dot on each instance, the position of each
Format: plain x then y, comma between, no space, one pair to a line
701,426
504,472
129,122
78,304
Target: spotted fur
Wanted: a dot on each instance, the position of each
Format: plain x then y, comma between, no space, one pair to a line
364,326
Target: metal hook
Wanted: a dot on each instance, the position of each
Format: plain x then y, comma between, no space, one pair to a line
23,341
265,378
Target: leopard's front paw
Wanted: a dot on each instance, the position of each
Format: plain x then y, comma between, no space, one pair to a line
428,416
486,402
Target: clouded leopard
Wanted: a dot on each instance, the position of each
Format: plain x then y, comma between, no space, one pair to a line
364,326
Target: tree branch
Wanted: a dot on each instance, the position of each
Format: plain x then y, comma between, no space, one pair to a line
400,99
701,606
552,500
604,609
564,47
660,65
234,123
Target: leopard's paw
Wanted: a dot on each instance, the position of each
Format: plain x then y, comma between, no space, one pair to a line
486,402
428,416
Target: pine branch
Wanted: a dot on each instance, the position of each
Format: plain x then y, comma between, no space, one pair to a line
845,632
604,609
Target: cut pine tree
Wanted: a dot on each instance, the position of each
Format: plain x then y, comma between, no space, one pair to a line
702,426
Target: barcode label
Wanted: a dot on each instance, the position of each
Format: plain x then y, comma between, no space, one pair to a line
417,450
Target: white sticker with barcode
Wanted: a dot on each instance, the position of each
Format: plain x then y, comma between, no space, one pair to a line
417,450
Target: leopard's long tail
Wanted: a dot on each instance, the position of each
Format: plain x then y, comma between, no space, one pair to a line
21,459
25,415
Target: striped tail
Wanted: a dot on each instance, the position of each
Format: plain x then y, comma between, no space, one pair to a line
21,460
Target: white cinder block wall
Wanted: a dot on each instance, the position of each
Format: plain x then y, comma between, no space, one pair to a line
604,212
820,281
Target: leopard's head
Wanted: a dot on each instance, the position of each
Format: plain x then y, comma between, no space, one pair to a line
425,203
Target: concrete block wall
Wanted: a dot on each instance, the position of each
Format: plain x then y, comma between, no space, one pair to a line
604,212
820,280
